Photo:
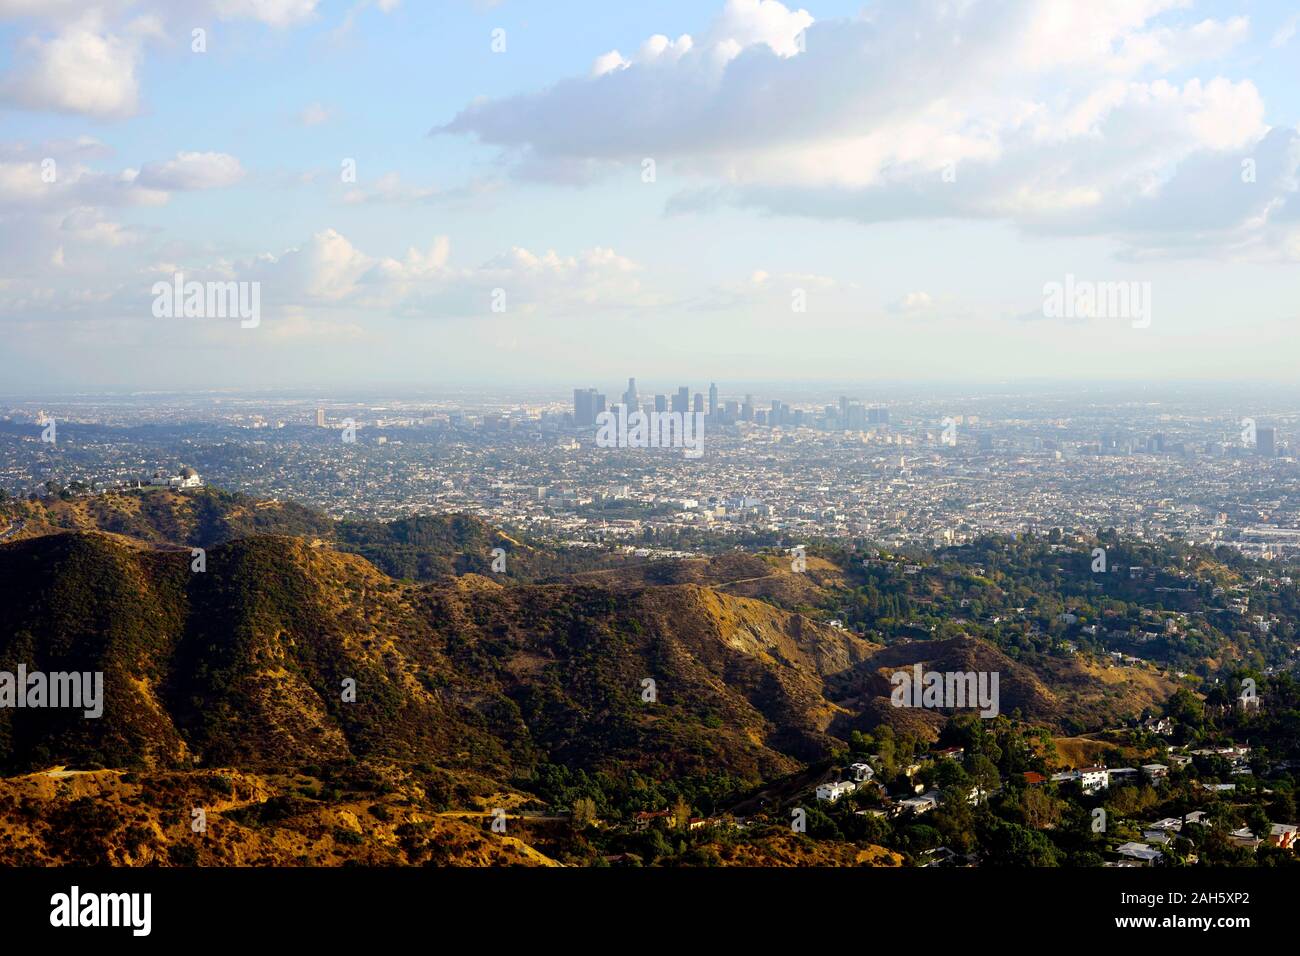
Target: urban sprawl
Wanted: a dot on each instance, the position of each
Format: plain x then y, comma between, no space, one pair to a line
924,471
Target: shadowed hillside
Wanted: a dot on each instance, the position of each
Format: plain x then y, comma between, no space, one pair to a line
246,663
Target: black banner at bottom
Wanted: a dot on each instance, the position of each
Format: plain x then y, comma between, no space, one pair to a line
141,906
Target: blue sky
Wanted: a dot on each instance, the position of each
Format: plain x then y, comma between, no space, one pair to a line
875,191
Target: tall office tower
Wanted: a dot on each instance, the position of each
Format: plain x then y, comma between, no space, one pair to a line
1264,443
630,396
844,409
1158,443
661,403
713,399
320,418
856,419
584,406
984,441
699,403
878,415
775,416
747,409
600,405
682,400
732,410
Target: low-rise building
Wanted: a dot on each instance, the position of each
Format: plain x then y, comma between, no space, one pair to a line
1141,853
831,792
1283,835
861,772
922,804
1093,779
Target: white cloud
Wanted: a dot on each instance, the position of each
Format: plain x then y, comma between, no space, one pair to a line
1286,31
56,222
82,69
1053,116
328,270
85,57
747,23
41,8
275,13
88,225
66,183
192,171
608,63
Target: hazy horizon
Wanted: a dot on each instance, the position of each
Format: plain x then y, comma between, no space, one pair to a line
612,387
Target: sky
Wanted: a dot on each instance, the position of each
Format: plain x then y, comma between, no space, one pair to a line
567,192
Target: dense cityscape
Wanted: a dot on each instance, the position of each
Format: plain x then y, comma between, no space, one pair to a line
926,471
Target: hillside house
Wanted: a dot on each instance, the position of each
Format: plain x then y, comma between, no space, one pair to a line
1155,771
1244,837
922,804
647,818
831,792
1283,835
1164,726
1093,779
1141,853
861,772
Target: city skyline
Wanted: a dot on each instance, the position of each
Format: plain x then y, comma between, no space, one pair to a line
914,468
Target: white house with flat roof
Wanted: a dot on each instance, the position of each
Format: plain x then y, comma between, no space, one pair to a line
1093,779
831,792
922,804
